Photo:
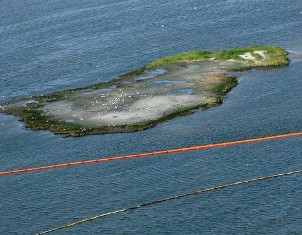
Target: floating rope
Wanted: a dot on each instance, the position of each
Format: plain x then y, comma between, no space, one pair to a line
150,154
168,199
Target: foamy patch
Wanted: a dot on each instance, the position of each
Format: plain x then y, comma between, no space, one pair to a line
247,56
261,53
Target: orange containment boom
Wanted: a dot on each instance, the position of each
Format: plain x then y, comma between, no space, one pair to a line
150,154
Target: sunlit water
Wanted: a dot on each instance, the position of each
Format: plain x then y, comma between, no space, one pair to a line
53,45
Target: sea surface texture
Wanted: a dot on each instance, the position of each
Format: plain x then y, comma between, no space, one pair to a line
53,45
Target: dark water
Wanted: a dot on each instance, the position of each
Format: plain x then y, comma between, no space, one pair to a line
53,45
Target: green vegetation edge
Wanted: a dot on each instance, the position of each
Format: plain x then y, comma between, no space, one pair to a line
34,118
277,56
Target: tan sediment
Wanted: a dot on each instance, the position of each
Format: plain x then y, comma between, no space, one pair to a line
139,101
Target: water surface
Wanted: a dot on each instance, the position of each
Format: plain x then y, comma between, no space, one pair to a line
54,45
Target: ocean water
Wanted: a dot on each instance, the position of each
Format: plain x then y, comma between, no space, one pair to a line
47,46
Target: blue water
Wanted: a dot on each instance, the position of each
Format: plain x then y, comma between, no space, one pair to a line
53,45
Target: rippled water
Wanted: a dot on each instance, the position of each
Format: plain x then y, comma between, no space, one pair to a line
54,45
